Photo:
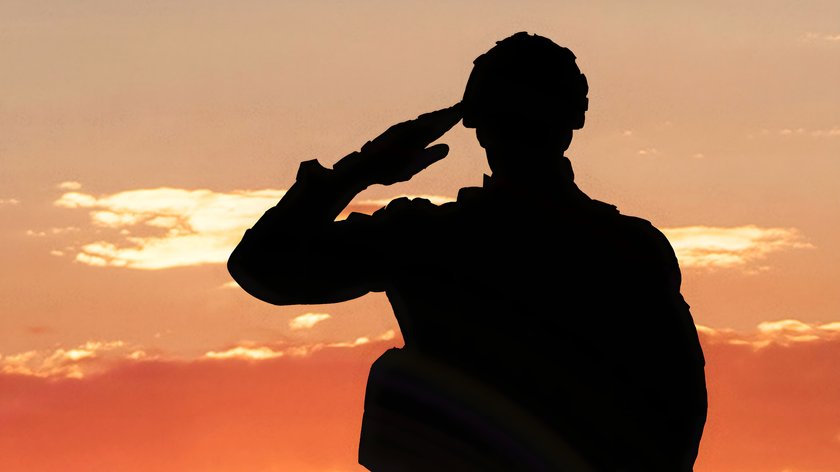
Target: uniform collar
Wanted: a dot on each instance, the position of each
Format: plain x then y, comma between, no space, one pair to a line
558,179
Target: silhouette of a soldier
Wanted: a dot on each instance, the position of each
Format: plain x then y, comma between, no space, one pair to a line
543,329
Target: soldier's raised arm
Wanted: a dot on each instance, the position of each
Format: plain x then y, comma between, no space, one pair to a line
298,254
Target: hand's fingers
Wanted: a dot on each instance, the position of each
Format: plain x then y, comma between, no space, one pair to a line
448,113
436,152
431,126
428,156
417,133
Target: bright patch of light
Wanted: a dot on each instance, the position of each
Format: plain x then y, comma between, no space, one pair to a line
307,320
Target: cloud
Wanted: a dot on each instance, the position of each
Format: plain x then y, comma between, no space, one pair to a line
188,227
712,247
69,185
822,133
161,228
357,342
75,362
9,201
251,351
307,320
800,132
360,341
243,352
52,231
98,357
783,333
391,334
812,37
814,133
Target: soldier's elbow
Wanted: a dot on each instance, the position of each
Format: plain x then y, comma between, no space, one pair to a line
254,277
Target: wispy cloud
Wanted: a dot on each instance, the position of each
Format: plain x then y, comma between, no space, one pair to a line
52,231
388,335
96,357
182,227
828,37
797,133
785,332
362,340
713,247
814,133
245,352
164,227
9,201
69,185
307,320
252,351
357,342
73,362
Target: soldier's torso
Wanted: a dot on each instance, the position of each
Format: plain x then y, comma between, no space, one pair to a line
541,304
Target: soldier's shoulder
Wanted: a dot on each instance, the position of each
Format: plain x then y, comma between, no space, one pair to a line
604,208
623,221
629,228
648,238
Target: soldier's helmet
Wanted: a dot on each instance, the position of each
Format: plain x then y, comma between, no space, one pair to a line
526,81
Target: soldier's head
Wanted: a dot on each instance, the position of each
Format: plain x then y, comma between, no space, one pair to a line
526,93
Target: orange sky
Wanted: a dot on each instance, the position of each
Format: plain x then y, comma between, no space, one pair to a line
138,141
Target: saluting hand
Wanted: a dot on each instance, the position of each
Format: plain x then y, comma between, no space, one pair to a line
401,151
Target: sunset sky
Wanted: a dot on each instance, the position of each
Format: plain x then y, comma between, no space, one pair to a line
138,140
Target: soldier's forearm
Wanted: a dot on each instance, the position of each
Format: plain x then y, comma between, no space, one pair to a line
275,259
317,197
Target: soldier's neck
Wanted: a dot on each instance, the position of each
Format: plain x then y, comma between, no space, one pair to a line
531,167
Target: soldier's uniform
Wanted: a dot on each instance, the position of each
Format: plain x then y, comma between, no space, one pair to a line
543,329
